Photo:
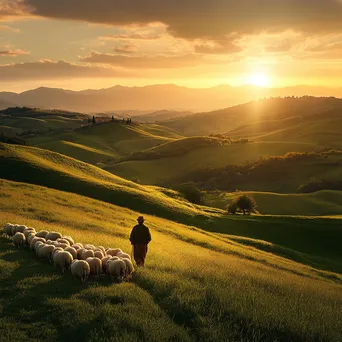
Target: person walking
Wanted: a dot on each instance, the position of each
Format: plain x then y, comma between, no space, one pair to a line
140,237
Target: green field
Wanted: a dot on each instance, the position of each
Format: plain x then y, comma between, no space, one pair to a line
156,171
197,286
104,143
19,120
275,275
41,167
321,203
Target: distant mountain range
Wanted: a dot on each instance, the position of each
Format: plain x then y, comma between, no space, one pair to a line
153,98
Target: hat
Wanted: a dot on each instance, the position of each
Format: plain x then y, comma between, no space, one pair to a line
141,219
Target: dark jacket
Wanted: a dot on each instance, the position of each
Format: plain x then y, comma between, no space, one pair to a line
140,235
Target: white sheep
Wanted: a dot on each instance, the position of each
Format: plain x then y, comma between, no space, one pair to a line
98,254
116,269
45,252
42,233
95,266
113,251
87,254
55,250
77,247
30,238
17,228
34,240
102,249
62,245
89,247
53,236
69,239
18,239
80,252
8,229
37,246
80,269
28,231
123,255
104,261
129,268
72,251
62,259
61,240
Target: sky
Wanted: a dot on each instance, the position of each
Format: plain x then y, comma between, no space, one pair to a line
82,44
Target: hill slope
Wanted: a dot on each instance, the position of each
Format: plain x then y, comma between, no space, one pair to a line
197,286
32,165
182,157
105,142
18,120
227,120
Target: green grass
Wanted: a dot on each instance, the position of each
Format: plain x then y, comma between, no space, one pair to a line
321,203
41,167
104,143
197,286
42,121
280,174
157,171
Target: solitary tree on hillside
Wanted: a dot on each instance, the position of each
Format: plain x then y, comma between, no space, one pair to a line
94,120
244,203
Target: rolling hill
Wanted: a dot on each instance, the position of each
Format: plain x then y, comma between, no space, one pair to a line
320,203
104,143
257,114
286,174
27,120
196,286
41,167
175,159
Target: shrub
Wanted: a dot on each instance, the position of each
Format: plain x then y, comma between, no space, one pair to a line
243,203
11,140
232,208
191,192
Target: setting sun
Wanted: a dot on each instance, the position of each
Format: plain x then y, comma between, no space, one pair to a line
259,79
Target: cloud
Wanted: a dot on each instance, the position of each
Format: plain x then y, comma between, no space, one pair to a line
147,62
8,28
13,53
192,19
47,69
14,8
125,48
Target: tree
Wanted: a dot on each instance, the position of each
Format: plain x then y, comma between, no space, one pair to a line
113,118
232,208
191,192
94,120
244,203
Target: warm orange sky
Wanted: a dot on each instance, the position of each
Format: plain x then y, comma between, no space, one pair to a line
79,44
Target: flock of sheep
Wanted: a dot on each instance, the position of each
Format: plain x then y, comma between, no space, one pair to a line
65,254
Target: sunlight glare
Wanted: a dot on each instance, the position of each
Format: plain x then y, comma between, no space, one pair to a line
259,79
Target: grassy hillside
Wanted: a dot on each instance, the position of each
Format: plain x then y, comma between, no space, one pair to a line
32,165
42,167
225,120
197,286
321,203
176,159
104,143
20,120
284,174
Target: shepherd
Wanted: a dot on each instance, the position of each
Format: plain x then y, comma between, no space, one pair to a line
140,238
